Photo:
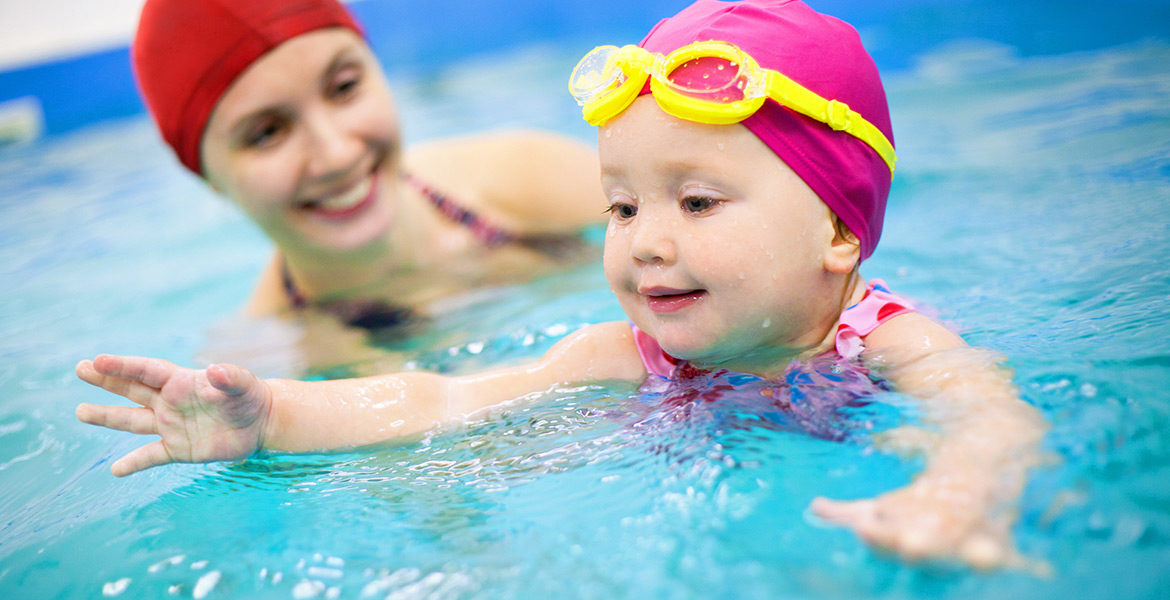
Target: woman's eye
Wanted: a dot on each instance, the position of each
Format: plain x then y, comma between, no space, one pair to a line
345,85
698,203
264,134
623,211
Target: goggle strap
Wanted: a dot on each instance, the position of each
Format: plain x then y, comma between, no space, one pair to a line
638,64
834,113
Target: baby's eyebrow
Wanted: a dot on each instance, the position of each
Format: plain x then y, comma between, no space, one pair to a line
611,172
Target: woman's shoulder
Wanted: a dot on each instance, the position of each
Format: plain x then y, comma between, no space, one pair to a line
529,181
270,294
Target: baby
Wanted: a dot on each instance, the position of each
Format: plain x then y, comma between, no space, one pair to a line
746,154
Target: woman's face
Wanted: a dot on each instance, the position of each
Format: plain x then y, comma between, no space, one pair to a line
300,139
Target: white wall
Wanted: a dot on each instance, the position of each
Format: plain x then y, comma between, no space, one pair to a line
33,31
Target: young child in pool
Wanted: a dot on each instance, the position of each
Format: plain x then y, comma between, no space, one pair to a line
735,234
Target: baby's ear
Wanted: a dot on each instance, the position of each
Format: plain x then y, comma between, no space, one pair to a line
844,251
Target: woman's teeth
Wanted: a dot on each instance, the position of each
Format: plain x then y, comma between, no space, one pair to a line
344,201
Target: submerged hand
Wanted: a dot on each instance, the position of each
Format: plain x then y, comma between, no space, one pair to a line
201,415
931,520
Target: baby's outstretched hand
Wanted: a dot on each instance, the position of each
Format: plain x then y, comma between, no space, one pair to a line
930,521
201,415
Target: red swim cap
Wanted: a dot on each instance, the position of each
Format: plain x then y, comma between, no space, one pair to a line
188,52
825,55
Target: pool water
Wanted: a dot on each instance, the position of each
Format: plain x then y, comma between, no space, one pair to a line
1031,208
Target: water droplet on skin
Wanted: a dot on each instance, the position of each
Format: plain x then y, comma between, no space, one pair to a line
766,324
719,146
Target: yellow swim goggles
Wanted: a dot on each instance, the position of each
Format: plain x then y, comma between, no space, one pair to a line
608,79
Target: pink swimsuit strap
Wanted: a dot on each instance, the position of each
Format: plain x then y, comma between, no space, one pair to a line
877,306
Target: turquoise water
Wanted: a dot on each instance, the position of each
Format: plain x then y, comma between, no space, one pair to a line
1032,208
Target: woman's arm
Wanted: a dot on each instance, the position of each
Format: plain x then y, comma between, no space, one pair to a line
226,413
981,441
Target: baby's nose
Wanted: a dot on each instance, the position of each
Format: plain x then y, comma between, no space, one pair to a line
653,241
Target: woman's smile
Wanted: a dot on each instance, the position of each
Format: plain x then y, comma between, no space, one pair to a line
345,204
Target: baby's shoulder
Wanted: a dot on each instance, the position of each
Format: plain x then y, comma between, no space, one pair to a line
909,336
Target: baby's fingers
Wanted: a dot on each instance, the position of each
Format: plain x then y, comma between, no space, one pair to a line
131,390
122,418
153,372
984,551
231,380
869,520
850,513
151,455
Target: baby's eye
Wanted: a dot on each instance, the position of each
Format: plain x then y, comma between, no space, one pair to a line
622,211
698,203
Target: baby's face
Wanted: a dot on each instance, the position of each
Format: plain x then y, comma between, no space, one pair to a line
300,139
714,247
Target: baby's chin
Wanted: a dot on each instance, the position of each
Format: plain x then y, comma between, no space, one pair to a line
691,348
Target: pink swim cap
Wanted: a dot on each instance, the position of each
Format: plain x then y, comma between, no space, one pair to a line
187,53
825,55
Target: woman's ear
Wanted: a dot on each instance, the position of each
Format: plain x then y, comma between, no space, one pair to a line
844,251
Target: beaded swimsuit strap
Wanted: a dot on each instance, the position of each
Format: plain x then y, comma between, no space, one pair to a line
487,233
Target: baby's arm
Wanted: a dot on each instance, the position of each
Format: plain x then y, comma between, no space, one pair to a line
984,440
226,413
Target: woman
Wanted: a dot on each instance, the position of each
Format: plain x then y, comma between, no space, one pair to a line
281,106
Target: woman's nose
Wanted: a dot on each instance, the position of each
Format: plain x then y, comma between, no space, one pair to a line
332,148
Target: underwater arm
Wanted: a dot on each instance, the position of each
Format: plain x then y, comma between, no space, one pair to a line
982,440
225,412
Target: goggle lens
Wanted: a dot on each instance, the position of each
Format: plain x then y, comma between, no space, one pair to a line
709,78
596,74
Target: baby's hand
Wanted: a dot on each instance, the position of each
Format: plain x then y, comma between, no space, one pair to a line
930,520
201,415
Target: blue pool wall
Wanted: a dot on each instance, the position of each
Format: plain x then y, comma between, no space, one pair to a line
411,36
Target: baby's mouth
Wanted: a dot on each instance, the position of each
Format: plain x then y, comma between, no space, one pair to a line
668,300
